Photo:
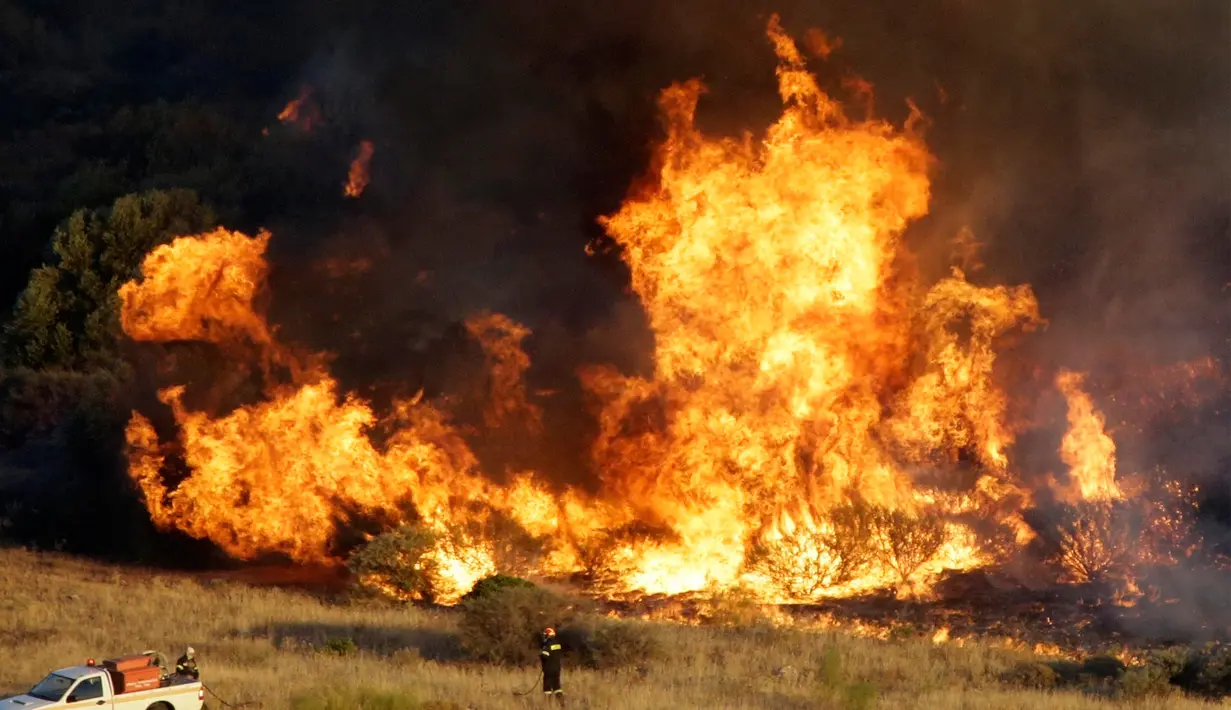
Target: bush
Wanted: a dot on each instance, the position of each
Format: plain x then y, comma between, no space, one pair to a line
505,626
1032,675
1146,681
732,608
1102,667
607,644
495,583
1103,675
859,696
341,646
397,564
1206,672
834,690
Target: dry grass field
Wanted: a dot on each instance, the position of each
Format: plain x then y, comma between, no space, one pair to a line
273,648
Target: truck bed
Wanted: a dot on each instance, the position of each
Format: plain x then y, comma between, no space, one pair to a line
168,689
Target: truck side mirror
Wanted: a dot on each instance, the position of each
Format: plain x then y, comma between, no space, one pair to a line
73,698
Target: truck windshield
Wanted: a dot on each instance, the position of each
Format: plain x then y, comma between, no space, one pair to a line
52,688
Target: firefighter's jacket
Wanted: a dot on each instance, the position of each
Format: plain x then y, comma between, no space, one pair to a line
550,653
186,666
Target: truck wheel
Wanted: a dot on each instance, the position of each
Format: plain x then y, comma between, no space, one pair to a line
160,706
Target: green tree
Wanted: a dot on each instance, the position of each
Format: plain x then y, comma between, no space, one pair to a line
68,315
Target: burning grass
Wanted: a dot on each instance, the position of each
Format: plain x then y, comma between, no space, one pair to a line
287,649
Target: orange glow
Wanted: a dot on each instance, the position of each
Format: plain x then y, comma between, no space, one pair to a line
301,111
358,178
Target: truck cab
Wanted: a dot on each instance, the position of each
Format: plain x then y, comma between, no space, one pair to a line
89,687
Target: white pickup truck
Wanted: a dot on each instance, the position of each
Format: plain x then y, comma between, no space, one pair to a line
90,687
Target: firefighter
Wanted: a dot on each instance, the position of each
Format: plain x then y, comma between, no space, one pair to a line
187,664
550,658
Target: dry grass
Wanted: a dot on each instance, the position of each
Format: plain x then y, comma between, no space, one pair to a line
269,646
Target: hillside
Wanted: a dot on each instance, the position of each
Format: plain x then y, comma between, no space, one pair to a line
288,649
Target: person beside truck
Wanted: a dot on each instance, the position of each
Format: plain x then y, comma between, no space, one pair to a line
135,682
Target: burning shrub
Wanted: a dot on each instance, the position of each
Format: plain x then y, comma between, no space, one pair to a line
1092,541
511,547
597,556
398,564
495,584
905,542
808,561
504,626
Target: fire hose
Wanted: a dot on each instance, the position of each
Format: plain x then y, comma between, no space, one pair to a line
225,703
533,688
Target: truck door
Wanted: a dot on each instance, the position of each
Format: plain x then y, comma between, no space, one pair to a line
87,693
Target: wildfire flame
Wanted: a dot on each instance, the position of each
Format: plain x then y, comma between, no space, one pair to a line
301,111
1087,449
789,341
817,421
358,178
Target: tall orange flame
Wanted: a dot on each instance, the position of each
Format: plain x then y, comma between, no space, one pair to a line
1087,449
784,380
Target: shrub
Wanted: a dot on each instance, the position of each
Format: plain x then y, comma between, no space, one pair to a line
731,607
1206,672
607,644
1032,675
398,564
1146,681
1102,667
1170,660
859,696
834,690
495,583
341,646
1067,672
505,626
